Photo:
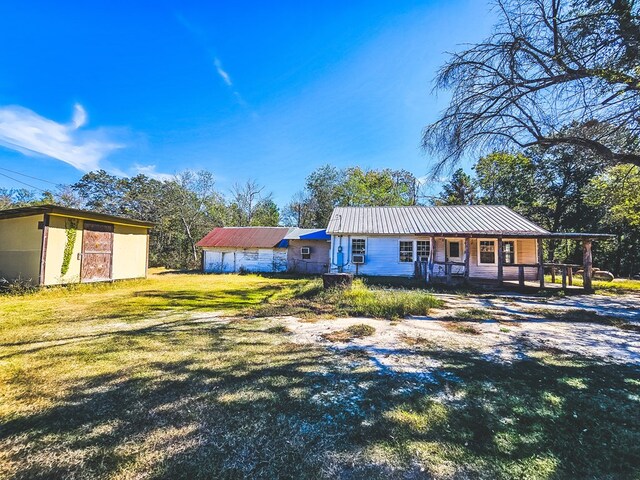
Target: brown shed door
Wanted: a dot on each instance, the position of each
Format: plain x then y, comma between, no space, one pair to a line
97,252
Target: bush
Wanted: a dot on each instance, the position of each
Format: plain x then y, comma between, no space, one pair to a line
18,286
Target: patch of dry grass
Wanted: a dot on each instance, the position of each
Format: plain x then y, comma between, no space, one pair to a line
461,327
359,330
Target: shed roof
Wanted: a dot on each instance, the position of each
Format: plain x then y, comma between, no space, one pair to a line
307,234
440,220
71,212
245,237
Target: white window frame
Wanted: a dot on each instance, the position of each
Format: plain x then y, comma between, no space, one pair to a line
495,251
515,251
426,240
413,250
495,246
460,250
366,245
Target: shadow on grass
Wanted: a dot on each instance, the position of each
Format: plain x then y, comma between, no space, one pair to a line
247,404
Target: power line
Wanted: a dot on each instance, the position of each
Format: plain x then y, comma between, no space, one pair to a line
23,183
28,176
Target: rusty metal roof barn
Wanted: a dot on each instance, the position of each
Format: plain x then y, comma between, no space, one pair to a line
245,237
437,220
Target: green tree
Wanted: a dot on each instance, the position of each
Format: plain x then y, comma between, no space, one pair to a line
507,179
460,190
614,195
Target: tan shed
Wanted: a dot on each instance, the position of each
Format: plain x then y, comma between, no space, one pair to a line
51,245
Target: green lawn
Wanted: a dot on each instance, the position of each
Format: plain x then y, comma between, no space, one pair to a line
142,379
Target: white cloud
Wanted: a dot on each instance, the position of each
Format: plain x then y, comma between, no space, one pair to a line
150,171
24,130
222,72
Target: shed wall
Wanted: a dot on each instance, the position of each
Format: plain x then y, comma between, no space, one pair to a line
129,252
317,264
54,254
129,258
20,247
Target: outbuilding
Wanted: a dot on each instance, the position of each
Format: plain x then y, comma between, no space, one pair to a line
52,245
251,249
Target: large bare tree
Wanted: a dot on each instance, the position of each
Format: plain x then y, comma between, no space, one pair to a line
548,64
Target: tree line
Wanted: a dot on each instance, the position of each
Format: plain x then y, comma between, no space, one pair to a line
187,206
565,189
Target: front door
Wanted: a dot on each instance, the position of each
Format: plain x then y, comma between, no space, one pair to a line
97,252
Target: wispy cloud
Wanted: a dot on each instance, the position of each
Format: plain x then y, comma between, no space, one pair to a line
222,72
150,171
25,131
200,35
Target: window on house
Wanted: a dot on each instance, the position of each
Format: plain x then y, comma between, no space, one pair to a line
358,246
487,251
509,252
422,250
454,249
406,251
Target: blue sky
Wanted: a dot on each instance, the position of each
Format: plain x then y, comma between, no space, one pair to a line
262,90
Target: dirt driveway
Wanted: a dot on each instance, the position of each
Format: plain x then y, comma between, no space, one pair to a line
499,328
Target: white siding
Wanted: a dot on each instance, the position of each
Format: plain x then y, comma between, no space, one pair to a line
227,260
382,257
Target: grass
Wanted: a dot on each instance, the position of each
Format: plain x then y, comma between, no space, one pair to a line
310,299
359,330
617,286
143,380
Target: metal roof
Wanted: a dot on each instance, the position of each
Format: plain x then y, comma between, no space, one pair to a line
459,219
245,237
307,234
73,213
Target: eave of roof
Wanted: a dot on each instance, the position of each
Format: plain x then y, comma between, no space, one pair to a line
72,213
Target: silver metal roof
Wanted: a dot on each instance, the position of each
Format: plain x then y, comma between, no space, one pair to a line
459,219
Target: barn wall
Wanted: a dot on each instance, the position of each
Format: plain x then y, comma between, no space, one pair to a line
129,252
317,264
229,260
20,246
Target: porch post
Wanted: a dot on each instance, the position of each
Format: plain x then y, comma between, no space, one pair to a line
500,262
587,264
467,254
432,256
540,263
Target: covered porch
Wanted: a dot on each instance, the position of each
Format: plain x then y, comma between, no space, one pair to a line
530,268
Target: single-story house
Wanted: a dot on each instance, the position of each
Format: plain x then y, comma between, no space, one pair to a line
51,245
308,250
236,249
471,241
